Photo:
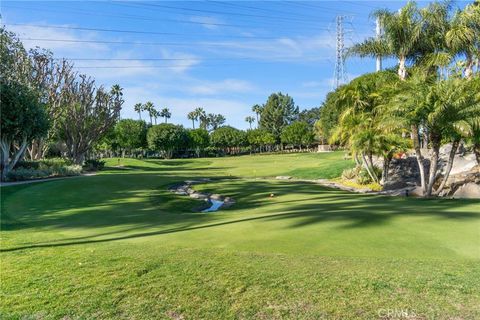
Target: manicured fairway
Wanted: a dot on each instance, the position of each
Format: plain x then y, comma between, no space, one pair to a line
119,245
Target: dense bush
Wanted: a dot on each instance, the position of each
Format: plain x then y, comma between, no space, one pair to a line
43,171
360,175
55,167
93,165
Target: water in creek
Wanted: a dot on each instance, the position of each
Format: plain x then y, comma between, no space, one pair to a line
216,204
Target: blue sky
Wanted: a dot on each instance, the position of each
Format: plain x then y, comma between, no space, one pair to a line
222,56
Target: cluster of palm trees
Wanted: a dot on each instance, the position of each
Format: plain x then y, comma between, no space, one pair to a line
206,121
257,109
433,96
153,113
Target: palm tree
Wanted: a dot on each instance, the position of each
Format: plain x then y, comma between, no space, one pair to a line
250,120
464,36
199,115
165,113
401,37
192,116
155,115
258,111
456,112
138,107
150,108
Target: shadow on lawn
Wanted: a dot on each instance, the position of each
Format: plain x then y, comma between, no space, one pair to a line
141,202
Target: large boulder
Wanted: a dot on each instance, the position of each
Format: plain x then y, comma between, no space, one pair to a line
404,173
470,190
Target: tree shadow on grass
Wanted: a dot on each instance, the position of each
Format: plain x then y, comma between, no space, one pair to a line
139,205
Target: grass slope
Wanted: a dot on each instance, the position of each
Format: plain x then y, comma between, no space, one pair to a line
118,245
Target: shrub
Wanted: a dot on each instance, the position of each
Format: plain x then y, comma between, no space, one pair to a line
44,169
93,165
21,174
350,174
27,164
364,177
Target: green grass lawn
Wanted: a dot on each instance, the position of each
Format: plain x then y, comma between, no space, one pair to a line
118,245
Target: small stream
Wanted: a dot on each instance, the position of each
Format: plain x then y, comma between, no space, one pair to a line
216,204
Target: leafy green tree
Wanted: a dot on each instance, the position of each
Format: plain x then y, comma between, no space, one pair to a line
310,116
279,111
131,135
15,63
199,140
88,113
167,138
228,138
298,133
260,139
23,118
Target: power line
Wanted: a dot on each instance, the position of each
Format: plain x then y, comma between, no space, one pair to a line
207,44
260,9
226,13
134,31
194,58
144,18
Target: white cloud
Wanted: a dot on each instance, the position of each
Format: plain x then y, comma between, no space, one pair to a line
58,47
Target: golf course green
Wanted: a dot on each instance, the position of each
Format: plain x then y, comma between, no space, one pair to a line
120,245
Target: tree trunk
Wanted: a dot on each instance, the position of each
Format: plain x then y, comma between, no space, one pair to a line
365,164
451,157
402,70
469,67
433,165
386,166
476,150
418,155
7,162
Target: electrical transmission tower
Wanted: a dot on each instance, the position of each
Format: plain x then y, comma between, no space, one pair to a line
339,75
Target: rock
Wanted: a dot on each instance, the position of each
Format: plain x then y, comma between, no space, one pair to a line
468,191
404,172
198,195
216,197
416,192
283,177
394,185
228,202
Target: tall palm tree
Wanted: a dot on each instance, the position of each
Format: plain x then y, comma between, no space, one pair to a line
200,115
155,115
138,107
258,111
464,36
250,120
401,37
150,108
192,115
165,113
